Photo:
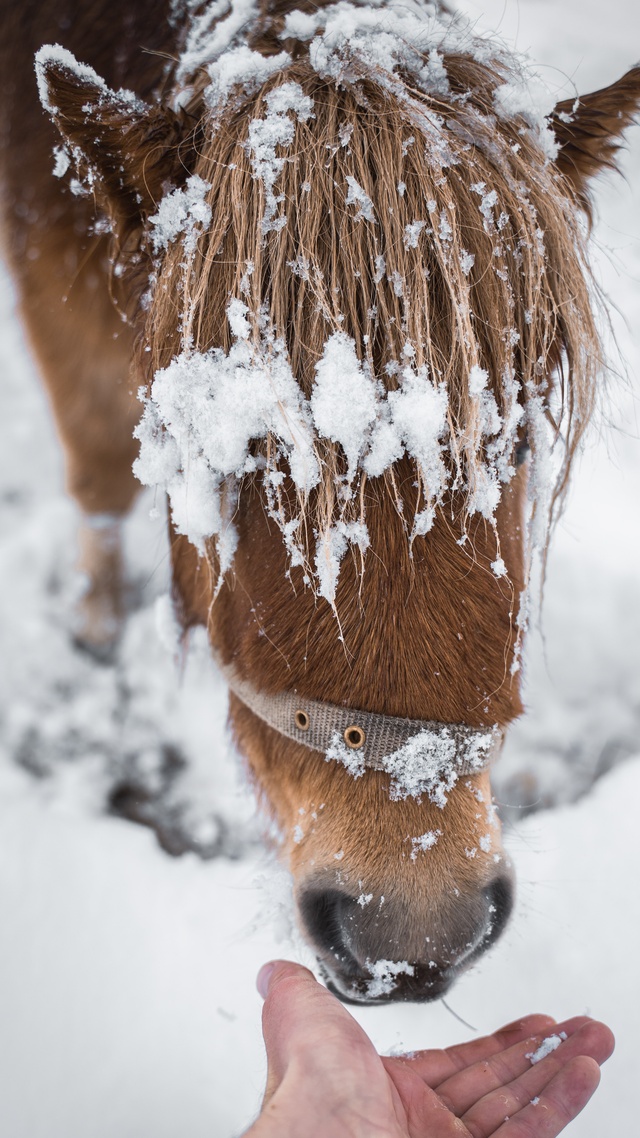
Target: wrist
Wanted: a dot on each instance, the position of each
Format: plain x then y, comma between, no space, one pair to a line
277,1126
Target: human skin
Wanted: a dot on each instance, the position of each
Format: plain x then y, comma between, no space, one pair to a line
326,1080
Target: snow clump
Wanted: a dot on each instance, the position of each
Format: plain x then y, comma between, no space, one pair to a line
276,129
430,763
206,409
182,211
424,842
548,1045
241,67
385,976
203,412
357,196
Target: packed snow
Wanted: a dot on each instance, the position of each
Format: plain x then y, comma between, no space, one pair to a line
126,986
547,1047
384,976
183,212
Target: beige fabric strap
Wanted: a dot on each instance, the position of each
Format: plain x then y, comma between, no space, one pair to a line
364,739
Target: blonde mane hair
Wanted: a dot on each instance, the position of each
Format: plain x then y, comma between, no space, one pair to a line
497,282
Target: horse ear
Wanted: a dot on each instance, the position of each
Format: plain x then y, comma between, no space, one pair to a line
125,150
589,129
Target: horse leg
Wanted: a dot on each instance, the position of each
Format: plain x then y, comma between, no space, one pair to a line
83,349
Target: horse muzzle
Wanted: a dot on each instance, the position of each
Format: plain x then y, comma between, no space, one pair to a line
372,951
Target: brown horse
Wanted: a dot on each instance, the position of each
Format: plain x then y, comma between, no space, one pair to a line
343,254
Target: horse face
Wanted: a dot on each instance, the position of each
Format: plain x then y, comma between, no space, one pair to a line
396,896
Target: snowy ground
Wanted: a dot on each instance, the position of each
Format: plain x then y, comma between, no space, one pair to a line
126,976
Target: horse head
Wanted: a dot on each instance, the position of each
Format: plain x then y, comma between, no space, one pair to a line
355,257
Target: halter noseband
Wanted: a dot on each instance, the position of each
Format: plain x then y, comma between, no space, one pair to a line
421,756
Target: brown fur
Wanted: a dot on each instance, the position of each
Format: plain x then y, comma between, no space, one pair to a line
427,629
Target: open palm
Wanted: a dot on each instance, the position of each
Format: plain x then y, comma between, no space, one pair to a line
490,1087
326,1080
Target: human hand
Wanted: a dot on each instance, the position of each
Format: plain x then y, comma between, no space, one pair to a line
326,1080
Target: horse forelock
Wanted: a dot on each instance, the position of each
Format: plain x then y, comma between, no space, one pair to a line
424,229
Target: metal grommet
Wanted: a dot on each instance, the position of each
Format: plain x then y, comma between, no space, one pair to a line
302,720
354,737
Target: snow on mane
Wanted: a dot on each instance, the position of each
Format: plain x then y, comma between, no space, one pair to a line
348,39
206,409
276,129
213,417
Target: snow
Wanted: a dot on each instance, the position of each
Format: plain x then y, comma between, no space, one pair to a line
203,412
384,976
127,977
424,842
356,196
57,56
427,763
241,66
412,233
62,161
331,546
415,421
547,1047
212,32
182,211
344,399
205,409
133,1008
531,99
275,130
347,39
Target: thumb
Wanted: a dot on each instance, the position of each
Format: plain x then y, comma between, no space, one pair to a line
304,1025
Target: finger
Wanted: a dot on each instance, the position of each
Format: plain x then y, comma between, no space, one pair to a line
592,1042
566,1095
305,1026
437,1065
471,1090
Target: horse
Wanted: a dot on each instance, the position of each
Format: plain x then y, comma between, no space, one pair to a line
340,253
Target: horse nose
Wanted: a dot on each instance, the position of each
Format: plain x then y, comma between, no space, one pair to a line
373,949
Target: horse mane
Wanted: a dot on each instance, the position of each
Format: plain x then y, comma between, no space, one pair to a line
472,257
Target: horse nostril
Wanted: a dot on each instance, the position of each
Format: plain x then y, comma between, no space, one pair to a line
327,915
499,894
